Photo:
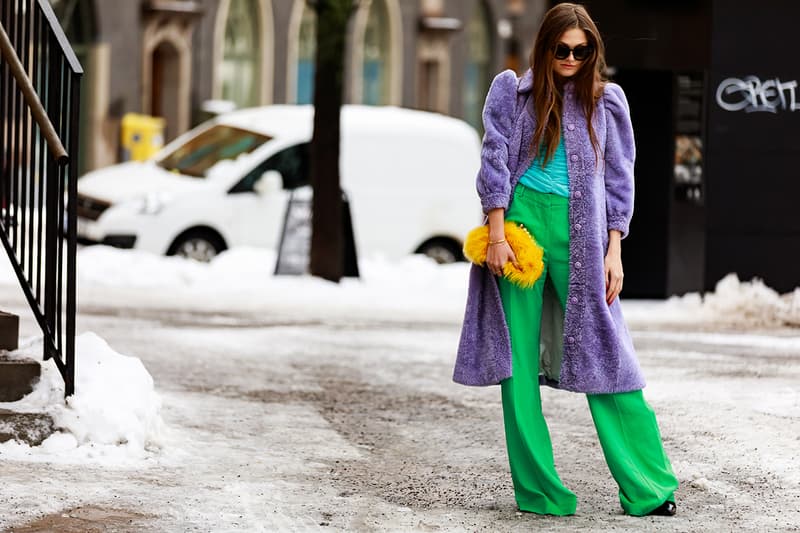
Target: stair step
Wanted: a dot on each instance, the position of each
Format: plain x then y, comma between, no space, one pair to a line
30,428
17,377
9,331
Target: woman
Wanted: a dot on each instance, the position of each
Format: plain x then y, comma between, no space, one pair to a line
558,157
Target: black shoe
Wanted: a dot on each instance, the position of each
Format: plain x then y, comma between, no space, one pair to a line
667,508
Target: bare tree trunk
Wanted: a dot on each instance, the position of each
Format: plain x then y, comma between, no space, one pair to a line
327,240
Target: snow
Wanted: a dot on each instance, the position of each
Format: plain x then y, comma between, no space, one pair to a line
134,180
239,166
276,405
752,303
733,302
114,416
217,107
241,279
786,346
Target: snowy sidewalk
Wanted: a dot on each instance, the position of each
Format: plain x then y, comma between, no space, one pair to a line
309,407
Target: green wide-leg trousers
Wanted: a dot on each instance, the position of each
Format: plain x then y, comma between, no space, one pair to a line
626,424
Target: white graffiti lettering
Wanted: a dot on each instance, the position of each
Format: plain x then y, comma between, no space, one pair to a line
751,94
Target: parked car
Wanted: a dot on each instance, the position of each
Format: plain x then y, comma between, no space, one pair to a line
408,176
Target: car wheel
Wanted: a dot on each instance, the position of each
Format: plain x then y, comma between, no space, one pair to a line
442,251
198,245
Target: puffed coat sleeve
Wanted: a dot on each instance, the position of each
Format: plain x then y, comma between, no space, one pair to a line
620,153
493,183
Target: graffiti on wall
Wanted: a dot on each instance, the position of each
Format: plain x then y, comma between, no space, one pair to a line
751,94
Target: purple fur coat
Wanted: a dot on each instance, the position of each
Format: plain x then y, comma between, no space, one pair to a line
587,348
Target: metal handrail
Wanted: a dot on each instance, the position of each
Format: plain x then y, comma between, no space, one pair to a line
40,80
58,33
32,99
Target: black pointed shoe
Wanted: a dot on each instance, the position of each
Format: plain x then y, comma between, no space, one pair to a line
667,508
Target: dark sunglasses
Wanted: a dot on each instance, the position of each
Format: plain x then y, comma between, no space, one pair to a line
580,52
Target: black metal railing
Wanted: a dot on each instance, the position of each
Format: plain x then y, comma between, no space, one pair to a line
39,103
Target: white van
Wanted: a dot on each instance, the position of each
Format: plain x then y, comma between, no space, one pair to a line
409,176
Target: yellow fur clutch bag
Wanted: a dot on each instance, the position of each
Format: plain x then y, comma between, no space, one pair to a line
529,253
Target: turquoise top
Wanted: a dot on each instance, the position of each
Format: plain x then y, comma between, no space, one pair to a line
553,177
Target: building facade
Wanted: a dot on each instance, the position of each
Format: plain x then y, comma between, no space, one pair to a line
710,110
184,59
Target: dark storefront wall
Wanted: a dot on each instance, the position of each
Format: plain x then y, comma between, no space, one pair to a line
659,53
753,227
656,34
646,253
744,219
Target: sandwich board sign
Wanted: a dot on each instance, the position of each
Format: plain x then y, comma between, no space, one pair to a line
294,249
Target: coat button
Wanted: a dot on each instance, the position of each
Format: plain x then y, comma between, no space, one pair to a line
574,157
578,226
578,194
578,264
571,340
574,299
571,127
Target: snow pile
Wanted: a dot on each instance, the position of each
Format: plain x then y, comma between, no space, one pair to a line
242,280
250,268
752,303
115,402
736,302
114,414
103,265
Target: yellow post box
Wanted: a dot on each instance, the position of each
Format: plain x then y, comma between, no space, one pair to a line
142,136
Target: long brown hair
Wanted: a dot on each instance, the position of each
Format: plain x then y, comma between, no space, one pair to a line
548,98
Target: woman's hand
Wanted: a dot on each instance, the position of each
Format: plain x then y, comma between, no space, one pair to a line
613,266
498,255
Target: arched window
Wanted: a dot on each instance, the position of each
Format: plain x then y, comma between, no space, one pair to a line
377,53
476,72
377,50
306,56
242,55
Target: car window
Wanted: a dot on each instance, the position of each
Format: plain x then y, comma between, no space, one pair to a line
219,142
291,162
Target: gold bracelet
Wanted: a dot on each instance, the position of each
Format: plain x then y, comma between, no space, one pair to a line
501,241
